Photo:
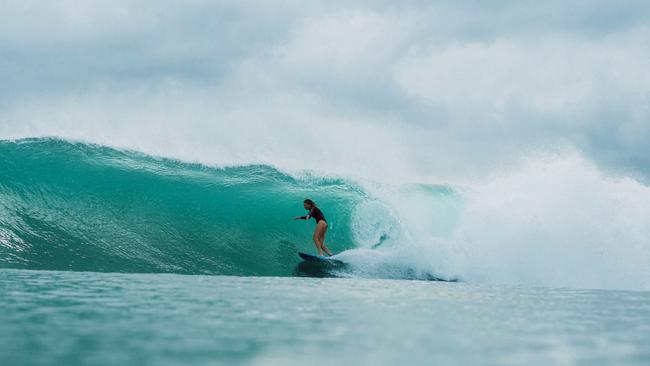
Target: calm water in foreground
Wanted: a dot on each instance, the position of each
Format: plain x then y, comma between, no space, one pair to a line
73,318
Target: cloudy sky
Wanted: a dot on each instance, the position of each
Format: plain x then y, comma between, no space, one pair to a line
419,90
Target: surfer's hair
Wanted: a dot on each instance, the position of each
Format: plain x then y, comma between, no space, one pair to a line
309,202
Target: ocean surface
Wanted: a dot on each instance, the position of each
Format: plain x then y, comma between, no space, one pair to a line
114,257
80,318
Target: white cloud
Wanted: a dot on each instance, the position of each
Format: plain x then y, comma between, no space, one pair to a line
547,77
414,90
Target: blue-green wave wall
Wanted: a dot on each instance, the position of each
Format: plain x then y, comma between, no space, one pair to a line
75,206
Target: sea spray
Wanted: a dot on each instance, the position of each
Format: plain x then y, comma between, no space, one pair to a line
555,222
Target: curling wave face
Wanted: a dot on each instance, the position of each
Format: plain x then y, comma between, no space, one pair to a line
74,206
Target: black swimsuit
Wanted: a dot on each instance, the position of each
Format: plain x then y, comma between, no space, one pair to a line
317,214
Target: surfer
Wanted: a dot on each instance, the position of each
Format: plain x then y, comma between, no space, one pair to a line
321,225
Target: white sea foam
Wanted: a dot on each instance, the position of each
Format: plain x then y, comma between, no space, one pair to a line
556,222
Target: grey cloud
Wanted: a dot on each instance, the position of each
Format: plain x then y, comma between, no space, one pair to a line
552,74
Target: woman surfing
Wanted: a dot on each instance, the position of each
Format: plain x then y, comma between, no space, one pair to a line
321,225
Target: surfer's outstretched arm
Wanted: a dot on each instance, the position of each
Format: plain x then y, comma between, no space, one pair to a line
306,217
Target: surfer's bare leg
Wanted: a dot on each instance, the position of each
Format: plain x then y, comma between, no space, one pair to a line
321,238
327,250
317,241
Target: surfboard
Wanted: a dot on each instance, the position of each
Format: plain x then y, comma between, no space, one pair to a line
316,258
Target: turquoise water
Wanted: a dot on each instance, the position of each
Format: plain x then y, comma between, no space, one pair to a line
81,207
71,318
66,206
113,257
